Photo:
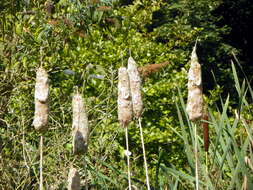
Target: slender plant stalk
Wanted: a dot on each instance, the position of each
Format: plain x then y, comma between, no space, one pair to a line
144,154
196,157
41,162
86,174
128,159
207,166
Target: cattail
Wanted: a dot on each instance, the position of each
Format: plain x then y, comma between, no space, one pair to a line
80,123
73,180
195,96
125,110
135,87
124,98
41,100
194,106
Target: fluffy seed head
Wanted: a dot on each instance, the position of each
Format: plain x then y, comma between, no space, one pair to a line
42,85
194,106
80,125
124,98
73,180
135,87
41,100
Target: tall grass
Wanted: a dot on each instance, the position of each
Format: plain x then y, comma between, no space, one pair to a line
228,164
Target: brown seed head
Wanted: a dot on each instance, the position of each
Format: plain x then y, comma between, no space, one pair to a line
147,70
205,125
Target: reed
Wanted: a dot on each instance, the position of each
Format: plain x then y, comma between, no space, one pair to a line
194,106
40,121
135,88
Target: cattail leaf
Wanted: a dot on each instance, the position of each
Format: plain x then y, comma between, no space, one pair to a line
80,125
194,106
124,98
135,87
41,100
73,180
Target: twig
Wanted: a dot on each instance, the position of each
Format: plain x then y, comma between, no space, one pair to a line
144,154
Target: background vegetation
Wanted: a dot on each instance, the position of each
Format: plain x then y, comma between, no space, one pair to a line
83,43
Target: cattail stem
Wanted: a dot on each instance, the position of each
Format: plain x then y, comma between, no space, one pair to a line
41,162
86,174
196,157
128,159
207,166
144,154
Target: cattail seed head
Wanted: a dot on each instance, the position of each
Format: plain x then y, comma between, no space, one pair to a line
41,100
124,98
42,85
73,180
194,106
135,87
80,124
